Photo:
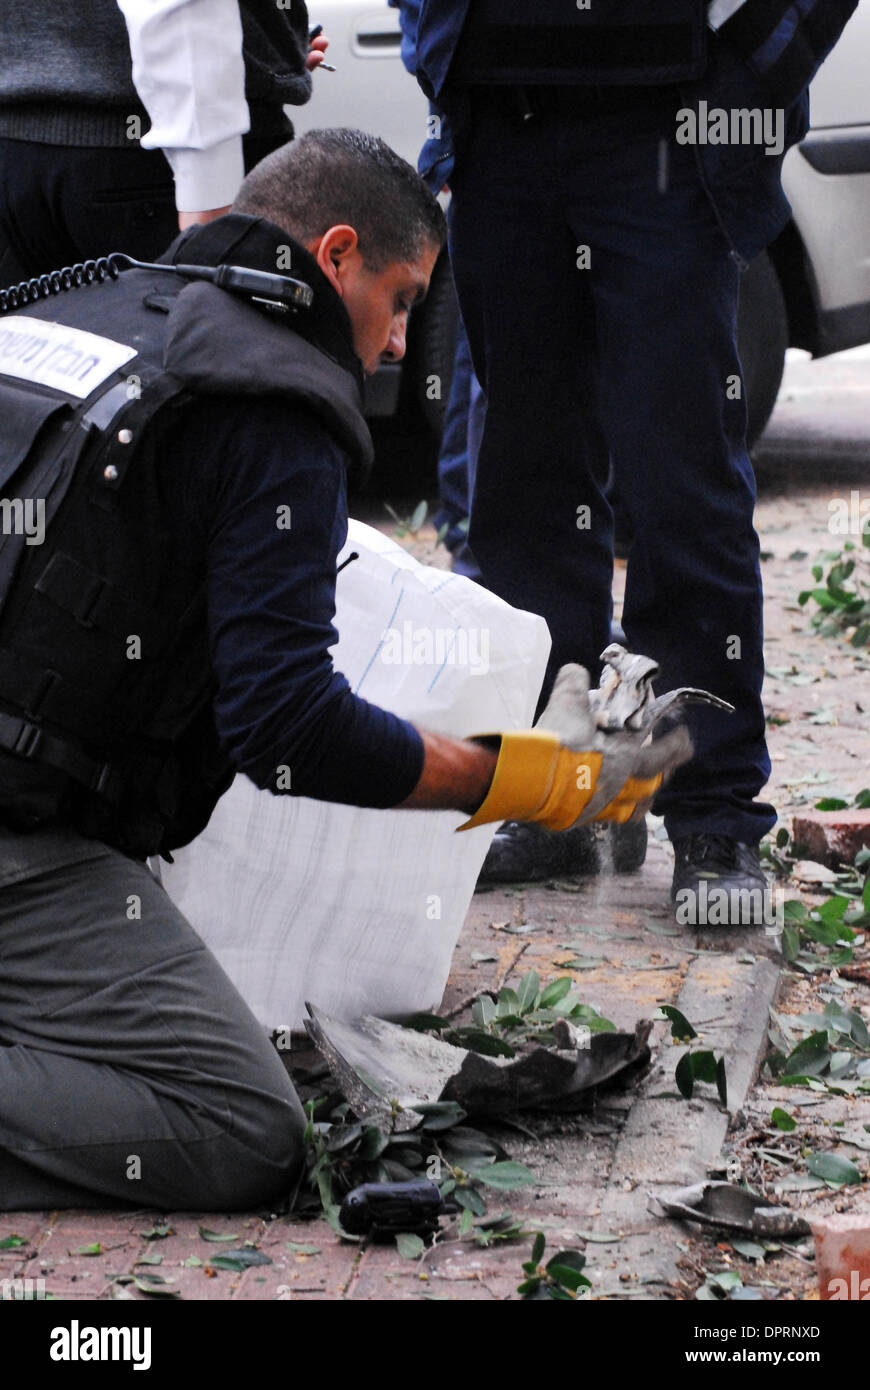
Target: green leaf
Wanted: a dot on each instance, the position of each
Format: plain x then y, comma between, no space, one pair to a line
341,1137
12,1242
837,1019
569,1278
598,1239
484,1043
463,1141
790,943
373,1143
426,1023
243,1258
470,1199
215,1235
508,1002
410,1246
747,1248
157,1233
833,1169
704,1067
859,1028
506,1176
722,1081
810,1057
531,1288
828,933
795,910
554,991
418,516
150,1260
297,1247
466,1223
831,803
439,1114
783,1120
725,1279
155,1286
685,1076
680,1025
193,1262
483,1010
95,1249
568,1259
832,910
528,991
538,1247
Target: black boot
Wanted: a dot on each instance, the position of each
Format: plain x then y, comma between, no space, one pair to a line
719,881
523,852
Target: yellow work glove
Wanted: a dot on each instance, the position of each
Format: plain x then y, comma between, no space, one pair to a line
567,771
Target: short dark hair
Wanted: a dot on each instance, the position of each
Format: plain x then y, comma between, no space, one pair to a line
338,176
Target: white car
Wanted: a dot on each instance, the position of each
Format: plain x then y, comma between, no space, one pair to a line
810,289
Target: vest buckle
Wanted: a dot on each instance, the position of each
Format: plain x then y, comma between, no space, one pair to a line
29,738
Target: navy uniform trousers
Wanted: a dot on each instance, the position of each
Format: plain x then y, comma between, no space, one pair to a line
600,297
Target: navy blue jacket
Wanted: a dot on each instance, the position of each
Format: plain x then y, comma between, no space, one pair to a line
764,56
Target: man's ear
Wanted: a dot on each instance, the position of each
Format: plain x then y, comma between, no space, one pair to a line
334,251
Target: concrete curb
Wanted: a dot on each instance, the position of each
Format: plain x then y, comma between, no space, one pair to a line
668,1143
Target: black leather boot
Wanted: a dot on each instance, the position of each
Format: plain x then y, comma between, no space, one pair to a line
523,852
719,881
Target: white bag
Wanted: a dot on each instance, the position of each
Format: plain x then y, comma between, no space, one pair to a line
360,910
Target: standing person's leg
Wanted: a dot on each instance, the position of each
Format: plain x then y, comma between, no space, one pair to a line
665,291
540,525
464,561
131,1071
62,204
453,494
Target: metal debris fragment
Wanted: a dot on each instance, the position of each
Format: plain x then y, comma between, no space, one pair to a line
731,1208
383,1070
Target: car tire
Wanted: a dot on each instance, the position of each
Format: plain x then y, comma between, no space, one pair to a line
433,331
762,339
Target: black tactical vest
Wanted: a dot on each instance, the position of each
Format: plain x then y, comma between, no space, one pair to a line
105,680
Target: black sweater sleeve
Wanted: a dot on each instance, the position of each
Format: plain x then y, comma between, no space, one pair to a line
264,489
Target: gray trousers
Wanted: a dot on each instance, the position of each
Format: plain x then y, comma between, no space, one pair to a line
131,1070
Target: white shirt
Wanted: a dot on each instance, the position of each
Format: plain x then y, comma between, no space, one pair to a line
190,76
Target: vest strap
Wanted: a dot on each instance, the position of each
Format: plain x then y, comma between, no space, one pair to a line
28,740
